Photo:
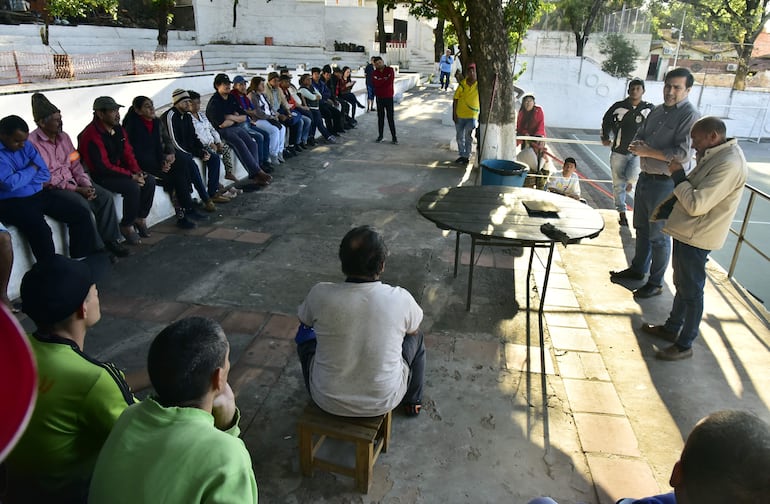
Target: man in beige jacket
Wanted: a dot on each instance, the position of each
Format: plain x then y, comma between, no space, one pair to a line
699,213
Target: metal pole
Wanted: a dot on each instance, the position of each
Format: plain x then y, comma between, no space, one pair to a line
679,40
741,235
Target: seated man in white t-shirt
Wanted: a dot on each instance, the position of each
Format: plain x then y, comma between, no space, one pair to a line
565,183
359,342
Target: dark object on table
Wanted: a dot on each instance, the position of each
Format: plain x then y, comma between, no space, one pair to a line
541,209
552,231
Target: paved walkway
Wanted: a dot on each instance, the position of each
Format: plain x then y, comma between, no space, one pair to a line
605,420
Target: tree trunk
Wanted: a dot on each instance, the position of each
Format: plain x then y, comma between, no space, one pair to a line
580,42
739,83
164,9
381,27
438,40
493,67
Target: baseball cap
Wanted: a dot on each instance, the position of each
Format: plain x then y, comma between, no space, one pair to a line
221,79
54,288
636,81
239,79
106,103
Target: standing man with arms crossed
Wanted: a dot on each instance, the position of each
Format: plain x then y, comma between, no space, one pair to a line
465,113
699,214
383,78
664,136
619,126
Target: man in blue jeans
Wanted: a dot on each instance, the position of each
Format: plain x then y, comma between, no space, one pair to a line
664,136
465,113
445,67
359,342
619,126
726,459
699,214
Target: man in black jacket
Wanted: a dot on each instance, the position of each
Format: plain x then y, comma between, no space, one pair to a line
178,123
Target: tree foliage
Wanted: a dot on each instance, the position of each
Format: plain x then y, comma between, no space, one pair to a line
581,15
736,21
621,55
80,8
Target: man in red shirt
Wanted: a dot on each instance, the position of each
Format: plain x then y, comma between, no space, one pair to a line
382,81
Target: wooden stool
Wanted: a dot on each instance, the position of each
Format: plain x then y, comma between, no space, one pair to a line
371,436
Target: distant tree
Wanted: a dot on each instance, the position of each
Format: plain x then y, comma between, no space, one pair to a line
621,55
165,16
737,21
74,9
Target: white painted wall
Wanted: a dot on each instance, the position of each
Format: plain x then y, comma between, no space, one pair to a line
553,43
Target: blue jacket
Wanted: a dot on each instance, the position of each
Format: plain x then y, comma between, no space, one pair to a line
22,173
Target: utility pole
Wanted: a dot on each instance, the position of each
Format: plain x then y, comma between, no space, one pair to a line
679,40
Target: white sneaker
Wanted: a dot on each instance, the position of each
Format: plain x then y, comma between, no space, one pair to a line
280,157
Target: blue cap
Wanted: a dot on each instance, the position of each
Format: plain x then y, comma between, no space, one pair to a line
239,79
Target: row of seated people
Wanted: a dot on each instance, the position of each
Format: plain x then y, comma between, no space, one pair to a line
41,173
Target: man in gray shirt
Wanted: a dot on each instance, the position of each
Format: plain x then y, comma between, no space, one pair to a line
664,137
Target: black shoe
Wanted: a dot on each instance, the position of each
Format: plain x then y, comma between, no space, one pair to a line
626,274
193,214
311,142
267,167
648,290
185,223
394,141
298,148
379,139
117,249
661,332
623,221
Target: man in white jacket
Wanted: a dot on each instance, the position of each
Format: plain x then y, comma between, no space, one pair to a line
699,213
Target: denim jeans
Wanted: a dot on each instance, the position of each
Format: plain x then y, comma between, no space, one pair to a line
653,248
464,128
689,265
245,147
625,170
212,177
444,80
259,136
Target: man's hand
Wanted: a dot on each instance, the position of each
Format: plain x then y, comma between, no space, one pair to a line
640,148
138,178
88,193
206,156
674,166
223,408
606,143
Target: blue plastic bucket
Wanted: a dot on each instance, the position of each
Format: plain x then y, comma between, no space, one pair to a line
503,172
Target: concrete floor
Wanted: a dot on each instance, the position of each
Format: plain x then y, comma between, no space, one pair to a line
606,419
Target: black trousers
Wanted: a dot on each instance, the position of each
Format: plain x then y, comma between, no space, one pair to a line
137,201
28,214
333,117
385,106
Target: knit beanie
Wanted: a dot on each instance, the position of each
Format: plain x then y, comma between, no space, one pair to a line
41,107
179,95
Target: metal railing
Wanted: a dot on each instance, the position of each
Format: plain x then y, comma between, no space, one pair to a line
741,234
18,67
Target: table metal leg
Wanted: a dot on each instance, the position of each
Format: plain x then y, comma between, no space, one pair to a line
470,272
542,299
457,251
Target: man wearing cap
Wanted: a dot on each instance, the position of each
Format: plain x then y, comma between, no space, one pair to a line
227,116
181,130
383,79
79,398
68,178
24,204
104,149
465,112
663,138
332,116
619,126
261,135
